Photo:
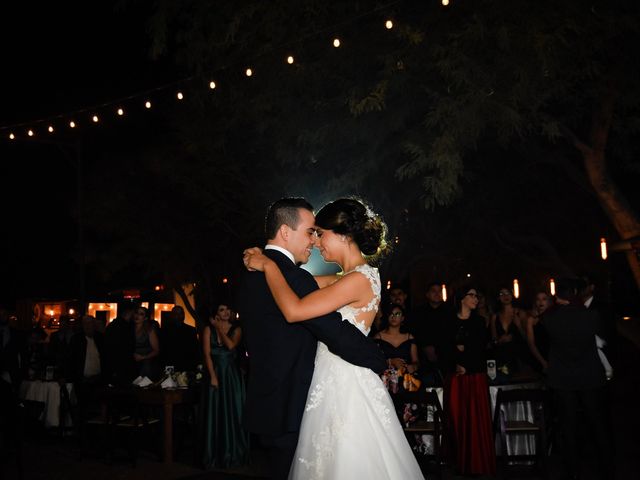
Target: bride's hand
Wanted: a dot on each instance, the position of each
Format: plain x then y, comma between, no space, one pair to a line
254,259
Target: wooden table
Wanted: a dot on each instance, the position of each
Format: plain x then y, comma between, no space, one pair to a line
167,398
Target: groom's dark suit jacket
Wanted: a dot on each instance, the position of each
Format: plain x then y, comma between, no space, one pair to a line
281,355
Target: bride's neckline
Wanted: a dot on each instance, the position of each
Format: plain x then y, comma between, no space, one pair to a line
353,269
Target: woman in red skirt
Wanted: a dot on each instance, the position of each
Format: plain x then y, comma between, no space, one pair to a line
470,442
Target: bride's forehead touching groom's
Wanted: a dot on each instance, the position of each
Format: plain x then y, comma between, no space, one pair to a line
300,240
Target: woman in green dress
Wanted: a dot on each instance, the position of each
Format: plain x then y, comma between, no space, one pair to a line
226,443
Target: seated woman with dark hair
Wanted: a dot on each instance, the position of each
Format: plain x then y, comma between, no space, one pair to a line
399,348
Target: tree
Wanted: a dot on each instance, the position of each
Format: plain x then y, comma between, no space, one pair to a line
416,106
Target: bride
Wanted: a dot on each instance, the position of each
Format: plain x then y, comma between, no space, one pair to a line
350,429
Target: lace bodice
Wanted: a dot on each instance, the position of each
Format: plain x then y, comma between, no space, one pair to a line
350,313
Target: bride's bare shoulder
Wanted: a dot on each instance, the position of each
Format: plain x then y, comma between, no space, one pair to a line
326,280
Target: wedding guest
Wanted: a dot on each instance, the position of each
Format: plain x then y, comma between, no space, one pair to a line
399,348
537,337
12,350
147,347
507,333
225,442
578,377
119,346
466,390
484,309
427,326
86,352
179,342
58,351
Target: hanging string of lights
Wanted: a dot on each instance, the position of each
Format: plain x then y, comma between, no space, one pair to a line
116,108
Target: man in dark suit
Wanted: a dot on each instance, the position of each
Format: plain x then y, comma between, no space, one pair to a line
281,355
577,376
12,351
119,346
179,343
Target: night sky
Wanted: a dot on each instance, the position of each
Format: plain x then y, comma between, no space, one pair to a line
62,57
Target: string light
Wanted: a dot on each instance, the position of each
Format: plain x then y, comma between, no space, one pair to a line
552,286
290,59
603,248
445,2
30,133
444,292
516,288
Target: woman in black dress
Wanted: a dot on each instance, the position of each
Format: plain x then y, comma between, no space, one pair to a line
399,348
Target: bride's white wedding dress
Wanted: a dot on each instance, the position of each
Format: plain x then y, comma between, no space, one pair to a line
350,430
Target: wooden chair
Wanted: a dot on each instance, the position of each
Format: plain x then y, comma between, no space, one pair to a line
537,426
429,422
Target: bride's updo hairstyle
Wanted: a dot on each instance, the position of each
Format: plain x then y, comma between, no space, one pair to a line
351,217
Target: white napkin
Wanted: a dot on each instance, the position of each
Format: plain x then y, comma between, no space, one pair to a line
142,381
169,383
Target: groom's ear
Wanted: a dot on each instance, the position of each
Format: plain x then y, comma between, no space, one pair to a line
283,232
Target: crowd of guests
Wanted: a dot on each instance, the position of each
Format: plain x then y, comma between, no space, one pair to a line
94,356
438,344
559,341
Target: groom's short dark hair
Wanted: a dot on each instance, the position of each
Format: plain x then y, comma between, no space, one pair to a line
284,212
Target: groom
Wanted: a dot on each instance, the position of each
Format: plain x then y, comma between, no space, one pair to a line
281,355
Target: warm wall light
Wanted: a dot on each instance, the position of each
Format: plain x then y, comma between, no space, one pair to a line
212,85
147,104
444,292
336,42
552,286
50,129
72,124
445,2
95,119
603,248
120,112
248,72
12,136
388,24
290,59
30,133
179,95
516,288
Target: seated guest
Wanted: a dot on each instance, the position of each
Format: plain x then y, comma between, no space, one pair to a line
399,348
179,343
507,334
147,346
466,389
119,344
